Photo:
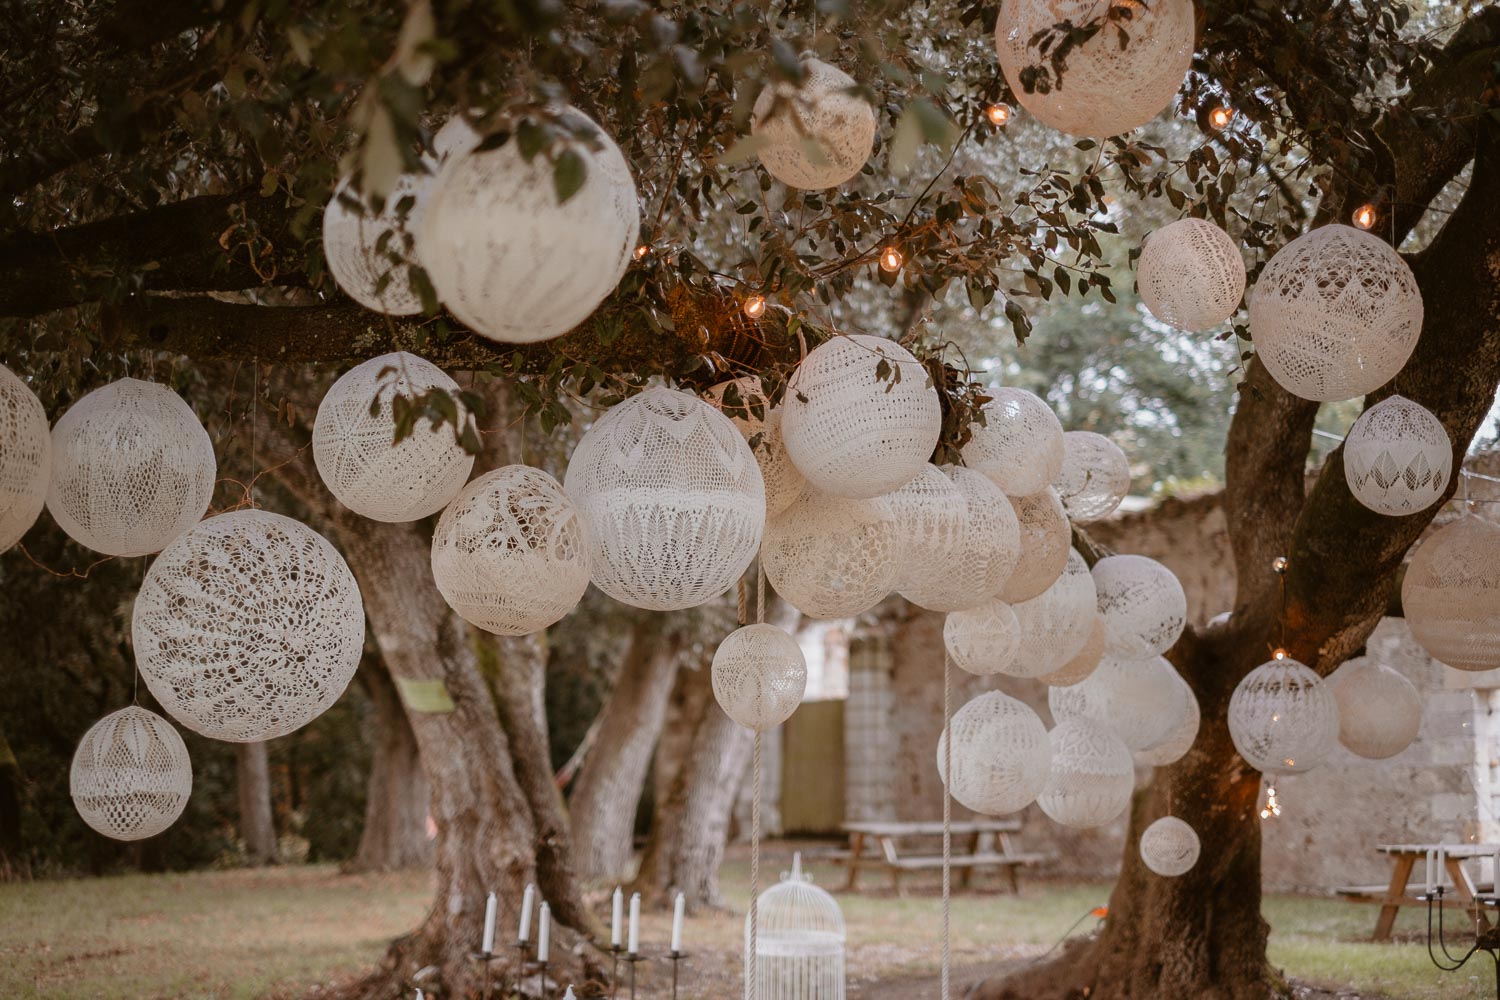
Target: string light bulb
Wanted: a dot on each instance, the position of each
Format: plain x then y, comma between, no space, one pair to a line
1364,216
891,260
1279,654
1279,564
642,250
998,114
1220,116
755,306
1273,804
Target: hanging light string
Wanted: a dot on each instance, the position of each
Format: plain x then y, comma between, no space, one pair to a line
947,819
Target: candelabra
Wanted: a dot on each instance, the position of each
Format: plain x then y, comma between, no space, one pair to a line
1486,939
676,957
633,959
615,951
486,958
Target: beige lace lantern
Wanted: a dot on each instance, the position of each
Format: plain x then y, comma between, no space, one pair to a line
1046,540
370,253
1019,445
759,676
1380,711
1191,275
1170,847
131,775
833,557
25,458
1143,606
1451,594
1001,755
1095,476
1092,775
816,135
1283,718
1398,457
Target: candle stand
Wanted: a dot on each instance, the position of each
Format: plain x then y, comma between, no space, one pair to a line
676,957
615,951
486,958
633,959
541,984
521,948
1487,940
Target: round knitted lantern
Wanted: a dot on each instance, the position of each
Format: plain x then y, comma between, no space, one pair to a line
248,627
817,135
25,458
131,775
852,433
132,468
1142,604
1170,847
1046,540
1019,445
1095,476
510,554
983,640
512,262
1083,665
369,253
1182,737
1335,314
759,676
672,498
932,518
987,553
1451,594
1191,275
1283,718
1397,457
354,439
455,138
1123,76
1055,626
1092,774
833,557
784,483
1143,701
1380,711
1001,755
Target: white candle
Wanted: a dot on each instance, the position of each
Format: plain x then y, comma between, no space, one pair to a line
488,947
677,915
617,919
635,924
544,934
1431,885
527,899
1495,873
1441,863
419,995
569,995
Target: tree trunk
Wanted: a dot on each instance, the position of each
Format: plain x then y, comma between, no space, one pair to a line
397,798
257,828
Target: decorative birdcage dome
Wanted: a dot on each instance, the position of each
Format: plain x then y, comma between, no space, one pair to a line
833,557
131,775
1001,755
1398,457
989,546
1170,847
1380,711
1095,476
248,627
799,942
1143,606
1019,445
1046,540
132,468
369,252
1092,774
759,676
760,425
932,517
1283,718
1451,594
1055,626
25,458
816,135
1143,701
1191,275
983,640
1182,737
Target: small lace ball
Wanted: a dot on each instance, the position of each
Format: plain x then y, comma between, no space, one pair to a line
932,517
1380,711
759,676
25,458
989,548
983,640
131,775
1092,775
510,554
1169,847
1398,457
1191,275
1001,755
1095,476
369,253
354,445
1182,737
1019,445
1283,718
1335,314
455,138
248,627
1055,626
1143,606
132,468
1143,701
784,483
510,261
833,557
1046,540
1108,86
851,433
1082,665
817,135
1451,594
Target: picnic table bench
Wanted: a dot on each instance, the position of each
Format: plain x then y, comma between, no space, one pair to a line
977,844
1405,858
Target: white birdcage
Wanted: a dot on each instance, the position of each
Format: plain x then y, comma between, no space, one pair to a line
799,942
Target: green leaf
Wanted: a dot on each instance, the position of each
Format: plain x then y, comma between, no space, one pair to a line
568,174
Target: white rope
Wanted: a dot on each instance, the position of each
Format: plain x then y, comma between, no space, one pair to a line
754,970
947,819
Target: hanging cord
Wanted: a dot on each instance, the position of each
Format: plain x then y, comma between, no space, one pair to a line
947,819
754,971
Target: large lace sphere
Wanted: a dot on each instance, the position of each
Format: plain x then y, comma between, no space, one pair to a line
983,640
1001,755
368,252
784,483
1283,718
1191,275
512,262
1335,314
1055,626
1143,606
1143,701
1019,445
1380,711
248,627
1095,476
990,546
932,517
672,498
132,468
455,138
25,458
817,135
1182,737
131,775
1169,847
852,433
1092,775
510,554
833,557
354,442
1451,595
1397,457
1084,662
759,676
1123,76
1046,540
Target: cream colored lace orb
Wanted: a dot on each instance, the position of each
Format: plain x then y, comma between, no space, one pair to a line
25,458
369,253
759,676
1143,701
784,483
1335,314
817,135
1019,445
1001,755
1451,594
1380,711
131,775
851,433
1398,457
1283,718
1095,476
932,518
1169,847
455,138
1084,663
132,468
1191,275
1055,625
1092,775
833,557
1046,540
987,554
1182,737
1143,606
248,627
983,640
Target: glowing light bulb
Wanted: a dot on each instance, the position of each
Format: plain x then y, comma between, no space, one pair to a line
642,251
1279,564
891,260
998,114
1272,806
755,306
1364,216
1221,116
1279,654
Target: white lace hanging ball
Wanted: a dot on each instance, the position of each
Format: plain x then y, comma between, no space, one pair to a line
1283,718
510,261
25,458
1170,847
983,640
986,555
132,468
1092,775
1191,275
1380,711
815,136
131,775
1451,594
1095,476
672,499
1046,540
1182,737
851,433
355,452
1397,457
368,252
1143,701
1001,755
248,627
1335,314
784,483
510,554
1055,626
1143,606
833,557
1019,445
455,138
759,676
1082,665
932,518
1107,87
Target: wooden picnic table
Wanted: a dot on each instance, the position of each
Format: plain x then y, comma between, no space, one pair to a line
1407,858
978,844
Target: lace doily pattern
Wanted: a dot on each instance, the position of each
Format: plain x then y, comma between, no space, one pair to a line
1143,606
1092,775
1169,847
1451,594
1095,476
1283,718
1001,755
1019,445
25,458
370,253
759,676
1191,275
131,776
833,557
817,135
1398,457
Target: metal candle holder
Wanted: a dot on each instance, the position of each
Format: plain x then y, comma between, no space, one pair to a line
521,948
676,957
615,951
1487,940
633,959
485,958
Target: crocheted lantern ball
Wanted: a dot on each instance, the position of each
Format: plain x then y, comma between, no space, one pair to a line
1143,606
1170,847
512,262
1082,665
833,557
369,252
1109,85
1397,457
852,433
1451,594
759,676
1055,626
1335,314
1092,775
1182,737
672,499
1095,476
1046,540
983,640
1019,445
932,518
1001,755
354,439
1191,275
510,554
131,775
1283,718
816,135
784,483
455,138
987,553
1143,701
248,627
1380,711
132,468
25,458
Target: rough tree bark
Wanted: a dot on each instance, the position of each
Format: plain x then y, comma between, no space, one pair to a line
257,826
397,797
